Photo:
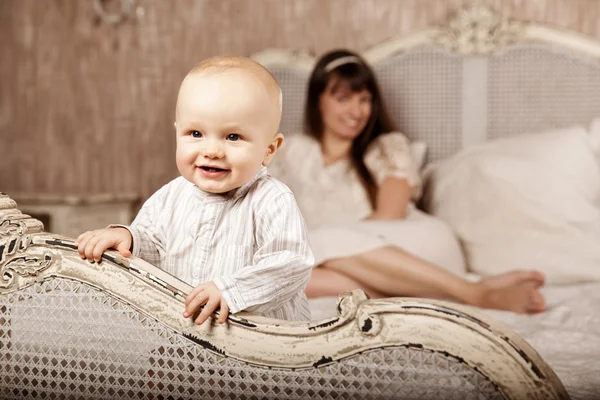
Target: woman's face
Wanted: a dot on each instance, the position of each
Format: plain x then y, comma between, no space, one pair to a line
345,113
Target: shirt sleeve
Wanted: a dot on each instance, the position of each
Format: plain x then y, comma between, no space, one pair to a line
148,240
282,263
390,155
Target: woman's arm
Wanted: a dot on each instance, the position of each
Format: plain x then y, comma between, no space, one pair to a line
390,161
393,197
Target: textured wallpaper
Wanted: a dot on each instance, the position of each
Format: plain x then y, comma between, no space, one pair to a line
87,106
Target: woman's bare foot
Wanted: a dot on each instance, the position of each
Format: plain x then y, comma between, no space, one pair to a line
516,291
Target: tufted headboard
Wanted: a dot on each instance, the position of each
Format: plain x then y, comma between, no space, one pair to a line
478,77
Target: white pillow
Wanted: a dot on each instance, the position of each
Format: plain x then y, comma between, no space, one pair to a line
527,202
595,138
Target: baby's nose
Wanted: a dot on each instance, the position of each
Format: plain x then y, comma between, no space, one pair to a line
213,150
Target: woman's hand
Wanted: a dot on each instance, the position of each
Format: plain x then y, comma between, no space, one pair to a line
393,198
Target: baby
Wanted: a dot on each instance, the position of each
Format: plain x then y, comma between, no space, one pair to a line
224,225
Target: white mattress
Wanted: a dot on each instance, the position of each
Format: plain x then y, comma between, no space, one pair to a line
567,335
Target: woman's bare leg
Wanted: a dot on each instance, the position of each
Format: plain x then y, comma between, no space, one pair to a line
326,282
393,272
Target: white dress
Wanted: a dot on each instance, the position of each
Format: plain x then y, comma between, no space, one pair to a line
334,203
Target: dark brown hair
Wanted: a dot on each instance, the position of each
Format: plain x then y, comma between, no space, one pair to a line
356,76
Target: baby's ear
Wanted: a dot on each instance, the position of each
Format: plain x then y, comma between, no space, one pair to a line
273,146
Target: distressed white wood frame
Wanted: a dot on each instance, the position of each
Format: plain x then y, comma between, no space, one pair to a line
29,256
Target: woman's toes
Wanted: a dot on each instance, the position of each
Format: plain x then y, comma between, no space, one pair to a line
538,304
537,277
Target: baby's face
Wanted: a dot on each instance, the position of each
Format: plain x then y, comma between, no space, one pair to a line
225,124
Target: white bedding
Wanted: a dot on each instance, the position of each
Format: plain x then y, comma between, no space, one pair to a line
567,335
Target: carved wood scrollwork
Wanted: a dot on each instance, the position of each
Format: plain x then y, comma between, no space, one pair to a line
17,259
478,31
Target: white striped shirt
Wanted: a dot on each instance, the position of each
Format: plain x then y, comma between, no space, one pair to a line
250,242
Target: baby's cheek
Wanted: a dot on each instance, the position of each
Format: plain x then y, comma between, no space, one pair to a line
184,160
179,160
184,153
242,157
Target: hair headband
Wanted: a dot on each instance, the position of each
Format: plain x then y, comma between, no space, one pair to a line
341,61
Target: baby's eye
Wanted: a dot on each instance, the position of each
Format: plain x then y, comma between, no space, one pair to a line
195,134
233,137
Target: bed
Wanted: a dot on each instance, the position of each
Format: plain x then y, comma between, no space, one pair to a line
509,113
72,329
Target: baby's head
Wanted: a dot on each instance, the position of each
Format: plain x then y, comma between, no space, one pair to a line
227,121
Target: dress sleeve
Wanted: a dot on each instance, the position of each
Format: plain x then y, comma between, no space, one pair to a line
390,155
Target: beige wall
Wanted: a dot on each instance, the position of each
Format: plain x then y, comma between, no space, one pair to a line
87,107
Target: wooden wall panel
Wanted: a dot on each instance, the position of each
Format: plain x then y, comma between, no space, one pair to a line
87,107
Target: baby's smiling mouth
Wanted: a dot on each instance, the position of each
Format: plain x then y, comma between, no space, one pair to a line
211,168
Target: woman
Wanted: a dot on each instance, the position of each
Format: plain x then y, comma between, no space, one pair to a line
354,180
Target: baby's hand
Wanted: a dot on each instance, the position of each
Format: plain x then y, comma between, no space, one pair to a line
92,244
208,295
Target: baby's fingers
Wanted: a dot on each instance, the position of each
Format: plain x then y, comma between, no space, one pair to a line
124,249
195,291
82,242
194,304
83,235
101,246
208,309
90,246
223,311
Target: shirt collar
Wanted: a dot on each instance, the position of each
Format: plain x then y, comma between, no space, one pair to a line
231,195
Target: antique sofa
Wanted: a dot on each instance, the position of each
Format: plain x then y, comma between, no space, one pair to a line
74,329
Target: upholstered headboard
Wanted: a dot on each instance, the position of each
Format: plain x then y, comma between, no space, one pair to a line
478,77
